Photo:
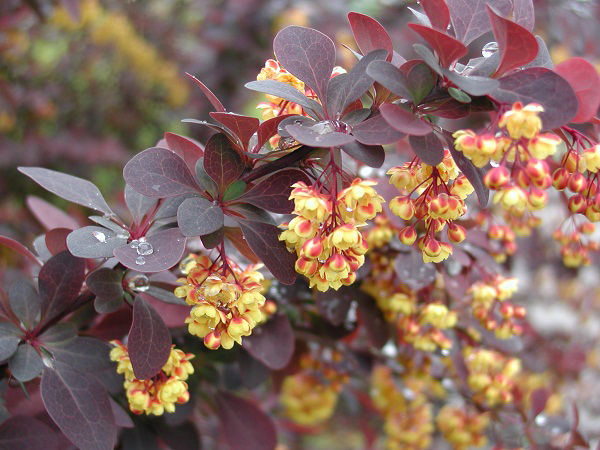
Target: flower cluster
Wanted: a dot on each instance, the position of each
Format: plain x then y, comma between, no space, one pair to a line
226,300
491,293
463,428
436,206
492,376
325,233
161,392
310,396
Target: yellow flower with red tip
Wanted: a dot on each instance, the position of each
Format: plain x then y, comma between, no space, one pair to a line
360,201
522,121
309,203
591,159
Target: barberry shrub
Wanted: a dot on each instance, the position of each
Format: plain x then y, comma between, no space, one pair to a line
262,280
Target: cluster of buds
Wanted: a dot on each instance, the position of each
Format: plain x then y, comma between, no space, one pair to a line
380,234
310,396
492,376
575,244
437,205
523,185
325,233
489,296
463,428
226,300
161,392
408,418
423,328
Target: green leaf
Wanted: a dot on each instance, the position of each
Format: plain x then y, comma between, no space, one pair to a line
459,95
235,189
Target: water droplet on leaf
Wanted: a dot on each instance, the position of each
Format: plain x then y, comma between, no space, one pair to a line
100,236
144,248
140,260
541,420
489,49
139,282
134,243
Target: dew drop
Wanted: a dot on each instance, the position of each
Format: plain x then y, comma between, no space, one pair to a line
139,282
123,235
140,260
134,243
489,49
541,420
100,236
144,248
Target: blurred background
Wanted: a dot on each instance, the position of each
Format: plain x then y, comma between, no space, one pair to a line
86,84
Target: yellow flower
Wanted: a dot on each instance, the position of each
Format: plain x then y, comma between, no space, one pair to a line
522,121
360,202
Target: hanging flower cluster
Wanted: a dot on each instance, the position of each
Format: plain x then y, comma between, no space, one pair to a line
463,427
160,393
437,205
325,233
226,300
277,106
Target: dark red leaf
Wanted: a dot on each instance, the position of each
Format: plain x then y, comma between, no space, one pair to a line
49,215
428,148
308,54
543,86
138,204
376,131
372,319
26,363
236,237
267,130
19,248
371,155
312,137
222,162
214,239
189,150
80,407
524,13
28,433
159,173
334,305
272,343
412,271
390,77
212,98
420,80
404,121
369,34
235,414
473,174
56,240
93,242
168,247
516,45
437,12
263,240
105,283
584,80
122,418
287,92
25,302
539,398
60,281
470,19
82,353
273,193
241,126
197,216
447,48
149,342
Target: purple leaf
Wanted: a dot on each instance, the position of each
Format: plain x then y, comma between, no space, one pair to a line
26,363
189,150
60,281
295,120
539,398
138,204
543,86
80,407
469,18
428,148
214,239
49,215
159,173
404,121
412,271
437,12
312,137
105,283
390,77
167,246
524,14
516,45
122,418
19,248
272,343
84,354
73,189
197,216
356,116
473,174
447,48
273,193
345,88
58,334
10,336
376,131
287,92
263,240
235,413
93,242
28,433
371,155
369,34
56,240
149,342
584,80
241,126
222,162
372,319
25,302
334,305
543,58
267,130
252,371
308,54
212,98
251,213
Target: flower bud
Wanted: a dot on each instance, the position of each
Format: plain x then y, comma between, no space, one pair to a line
577,182
577,204
403,207
312,248
497,177
407,236
537,198
456,233
560,178
213,340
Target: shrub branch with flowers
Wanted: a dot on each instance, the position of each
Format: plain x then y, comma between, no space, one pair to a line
287,263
